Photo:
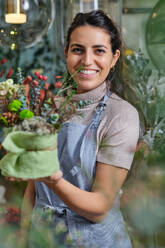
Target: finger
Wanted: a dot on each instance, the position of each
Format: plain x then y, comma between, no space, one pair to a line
56,175
10,178
51,179
16,179
23,179
42,179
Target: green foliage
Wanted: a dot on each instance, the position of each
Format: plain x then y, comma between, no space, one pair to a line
14,105
144,87
20,93
3,121
53,118
25,114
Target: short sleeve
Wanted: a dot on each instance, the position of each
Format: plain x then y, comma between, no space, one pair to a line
118,144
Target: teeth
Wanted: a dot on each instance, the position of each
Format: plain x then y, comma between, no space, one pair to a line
88,71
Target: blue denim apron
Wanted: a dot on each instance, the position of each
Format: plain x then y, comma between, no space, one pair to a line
77,156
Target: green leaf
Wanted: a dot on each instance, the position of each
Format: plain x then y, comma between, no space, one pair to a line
26,114
3,120
14,105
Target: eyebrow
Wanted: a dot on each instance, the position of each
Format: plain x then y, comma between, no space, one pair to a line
95,46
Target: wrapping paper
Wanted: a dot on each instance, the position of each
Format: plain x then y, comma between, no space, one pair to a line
29,155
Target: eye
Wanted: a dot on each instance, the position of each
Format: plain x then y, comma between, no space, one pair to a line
100,51
77,50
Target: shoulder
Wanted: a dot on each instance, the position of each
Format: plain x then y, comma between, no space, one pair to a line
120,108
119,117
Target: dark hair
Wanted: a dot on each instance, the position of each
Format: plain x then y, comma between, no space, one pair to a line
98,18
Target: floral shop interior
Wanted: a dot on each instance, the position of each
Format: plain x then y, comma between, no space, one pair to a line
33,69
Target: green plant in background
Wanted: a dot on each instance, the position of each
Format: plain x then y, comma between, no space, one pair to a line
145,88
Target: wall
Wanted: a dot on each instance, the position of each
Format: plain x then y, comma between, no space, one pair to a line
134,25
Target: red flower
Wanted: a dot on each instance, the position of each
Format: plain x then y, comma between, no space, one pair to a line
44,78
10,72
13,215
25,81
29,78
58,84
3,61
35,82
36,73
40,77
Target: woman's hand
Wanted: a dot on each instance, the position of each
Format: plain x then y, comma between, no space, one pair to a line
54,178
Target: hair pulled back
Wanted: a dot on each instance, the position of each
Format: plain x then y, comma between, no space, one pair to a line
98,18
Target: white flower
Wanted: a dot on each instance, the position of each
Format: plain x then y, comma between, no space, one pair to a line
9,81
136,55
8,87
3,92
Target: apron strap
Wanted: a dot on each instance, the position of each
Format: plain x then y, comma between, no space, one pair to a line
99,111
89,142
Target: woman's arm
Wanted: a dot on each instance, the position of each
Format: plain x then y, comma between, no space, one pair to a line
92,205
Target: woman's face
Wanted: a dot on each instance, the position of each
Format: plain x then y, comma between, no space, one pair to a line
90,49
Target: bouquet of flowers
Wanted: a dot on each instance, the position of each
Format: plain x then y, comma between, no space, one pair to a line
32,116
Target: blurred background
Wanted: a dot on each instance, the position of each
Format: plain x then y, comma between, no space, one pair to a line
40,40
35,41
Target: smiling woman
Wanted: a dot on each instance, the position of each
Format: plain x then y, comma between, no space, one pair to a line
95,147
94,53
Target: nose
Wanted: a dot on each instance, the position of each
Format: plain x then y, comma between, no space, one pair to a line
87,58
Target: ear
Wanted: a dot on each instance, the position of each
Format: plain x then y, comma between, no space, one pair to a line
115,58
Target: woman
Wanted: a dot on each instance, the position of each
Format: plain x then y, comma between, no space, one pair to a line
95,147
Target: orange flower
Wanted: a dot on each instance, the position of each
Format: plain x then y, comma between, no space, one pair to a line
46,86
10,72
42,95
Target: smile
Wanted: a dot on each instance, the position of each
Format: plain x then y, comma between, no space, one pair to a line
88,72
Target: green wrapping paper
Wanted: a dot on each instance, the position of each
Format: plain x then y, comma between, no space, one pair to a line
29,155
